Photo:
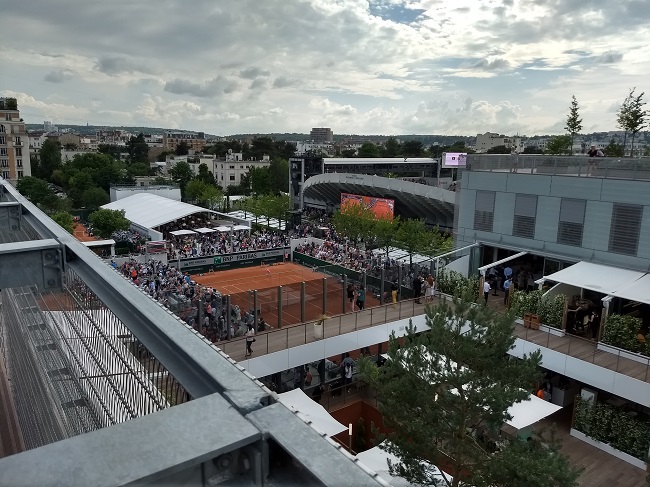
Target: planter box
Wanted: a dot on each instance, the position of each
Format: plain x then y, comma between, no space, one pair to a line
609,449
558,332
637,357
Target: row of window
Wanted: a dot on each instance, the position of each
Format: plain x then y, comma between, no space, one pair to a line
624,230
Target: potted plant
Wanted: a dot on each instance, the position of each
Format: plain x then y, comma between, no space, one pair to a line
318,327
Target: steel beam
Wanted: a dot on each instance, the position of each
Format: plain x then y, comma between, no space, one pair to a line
10,216
30,263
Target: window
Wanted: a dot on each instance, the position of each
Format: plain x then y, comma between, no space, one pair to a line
3,141
17,139
3,151
5,174
625,228
19,162
484,211
572,218
232,177
19,151
525,211
232,167
8,117
20,174
4,163
2,129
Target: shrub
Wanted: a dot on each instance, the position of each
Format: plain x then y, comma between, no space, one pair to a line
550,310
621,331
455,284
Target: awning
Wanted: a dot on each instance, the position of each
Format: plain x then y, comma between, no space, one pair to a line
498,262
223,228
204,230
600,278
308,409
178,233
241,227
639,290
376,460
530,411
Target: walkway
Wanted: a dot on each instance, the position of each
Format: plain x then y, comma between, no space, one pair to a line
295,335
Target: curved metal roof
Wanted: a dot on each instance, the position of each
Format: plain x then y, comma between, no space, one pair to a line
412,200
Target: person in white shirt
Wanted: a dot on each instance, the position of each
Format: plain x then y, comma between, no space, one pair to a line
486,291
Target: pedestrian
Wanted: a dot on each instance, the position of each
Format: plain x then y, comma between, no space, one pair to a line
507,286
417,288
393,293
317,394
486,291
361,298
308,378
351,295
250,339
431,288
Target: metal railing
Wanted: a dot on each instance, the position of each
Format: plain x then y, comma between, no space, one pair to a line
579,165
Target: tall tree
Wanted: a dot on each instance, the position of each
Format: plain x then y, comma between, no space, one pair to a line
614,150
354,221
385,232
50,159
412,148
182,148
182,174
279,175
445,394
105,222
412,236
636,118
65,220
368,150
499,149
392,148
138,149
94,197
622,117
34,189
573,121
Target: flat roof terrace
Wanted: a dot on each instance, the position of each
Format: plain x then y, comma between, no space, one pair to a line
578,165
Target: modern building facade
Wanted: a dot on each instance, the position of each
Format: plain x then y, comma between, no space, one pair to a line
14,142
489,140
321,134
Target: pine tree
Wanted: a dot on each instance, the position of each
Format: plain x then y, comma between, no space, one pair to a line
573,121
445,394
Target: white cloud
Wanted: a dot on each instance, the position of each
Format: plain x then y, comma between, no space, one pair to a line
274,66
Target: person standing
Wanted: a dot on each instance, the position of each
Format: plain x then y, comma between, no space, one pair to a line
361,298
351,294
431,288
507,286
486,291
250,338
393,293
417,288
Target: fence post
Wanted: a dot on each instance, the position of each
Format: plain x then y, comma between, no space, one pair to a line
345,290
324,295
279,306
255,311
228,317
381,286
363,279
200,317
400,275
302,302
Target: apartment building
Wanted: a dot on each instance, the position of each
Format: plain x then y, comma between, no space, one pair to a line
195,141
489,140
14,142
230,172
321,134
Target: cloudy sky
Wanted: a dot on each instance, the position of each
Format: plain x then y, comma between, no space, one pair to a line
454,67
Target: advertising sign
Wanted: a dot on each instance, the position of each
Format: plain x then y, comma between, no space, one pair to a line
381,207
454,159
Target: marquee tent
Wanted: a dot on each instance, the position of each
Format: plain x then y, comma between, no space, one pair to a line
178,233
308,409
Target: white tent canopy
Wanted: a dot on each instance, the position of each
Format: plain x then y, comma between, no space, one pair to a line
530,411
178,233
222,228
600,278
204,230
308,409
241,227
376,460
639,290
150,210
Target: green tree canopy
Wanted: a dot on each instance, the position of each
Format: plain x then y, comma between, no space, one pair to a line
614,150
368,150
50,159
412,148
94,197
205,175
412,236
559,145
499,149
445,394
385,232
34,189
138,149
105,222
182,149
354,221
279,175
635,117
182,174
392,148
65,220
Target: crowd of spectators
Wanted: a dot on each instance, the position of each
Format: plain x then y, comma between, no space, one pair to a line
200,245
202,308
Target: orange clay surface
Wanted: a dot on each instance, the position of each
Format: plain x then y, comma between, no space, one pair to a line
81,234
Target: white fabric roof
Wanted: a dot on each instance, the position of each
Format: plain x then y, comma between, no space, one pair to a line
600,278
241,227
222,228
308,409
639,290
150,210
182,232
530,411
204,230
376,460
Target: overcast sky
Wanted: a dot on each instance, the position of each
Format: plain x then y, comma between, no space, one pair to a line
456,67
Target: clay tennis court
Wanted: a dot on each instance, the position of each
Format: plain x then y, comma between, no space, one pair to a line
239,284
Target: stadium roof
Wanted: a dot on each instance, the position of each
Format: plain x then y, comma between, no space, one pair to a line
412,200
378,160
151,211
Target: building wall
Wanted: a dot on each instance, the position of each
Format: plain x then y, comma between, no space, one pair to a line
230,173
599,194
14,145
321,134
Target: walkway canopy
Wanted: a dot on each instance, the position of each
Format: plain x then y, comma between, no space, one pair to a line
596,277
150,210
178,233
637,291
312,412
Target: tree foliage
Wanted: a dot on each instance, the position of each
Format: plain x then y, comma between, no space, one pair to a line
354,221
65,220
559,145
445,394
94,197
34,189
368,150
632,117
138,149
573,121
50,159
105,222
182,174
614,150
499,149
